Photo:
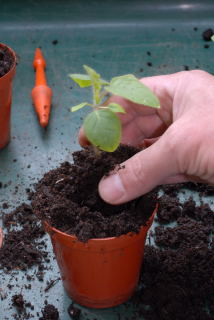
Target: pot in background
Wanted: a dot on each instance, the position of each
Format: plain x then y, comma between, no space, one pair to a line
6,99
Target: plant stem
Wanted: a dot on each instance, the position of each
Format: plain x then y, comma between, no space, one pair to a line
103,95
96,150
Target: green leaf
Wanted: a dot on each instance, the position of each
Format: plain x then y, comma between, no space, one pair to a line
79,106
129,87
96,83
103,129
93,75
212,38
83,80
115,107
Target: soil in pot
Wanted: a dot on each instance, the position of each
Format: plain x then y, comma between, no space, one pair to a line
6,61
67,197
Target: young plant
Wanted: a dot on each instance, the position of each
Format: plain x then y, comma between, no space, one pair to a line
102,126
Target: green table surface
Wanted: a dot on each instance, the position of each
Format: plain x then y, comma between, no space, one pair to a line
111,36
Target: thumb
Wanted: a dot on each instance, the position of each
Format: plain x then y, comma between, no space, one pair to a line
144,171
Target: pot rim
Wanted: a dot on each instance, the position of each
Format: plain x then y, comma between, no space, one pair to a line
12,52
54,230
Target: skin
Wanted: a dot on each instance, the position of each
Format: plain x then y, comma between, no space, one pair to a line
179,137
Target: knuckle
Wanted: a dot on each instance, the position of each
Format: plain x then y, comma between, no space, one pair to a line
199,73
193,76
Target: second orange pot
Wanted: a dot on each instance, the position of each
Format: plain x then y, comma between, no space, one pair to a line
6,99
101,273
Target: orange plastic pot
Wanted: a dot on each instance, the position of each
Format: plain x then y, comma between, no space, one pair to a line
101,273
6,99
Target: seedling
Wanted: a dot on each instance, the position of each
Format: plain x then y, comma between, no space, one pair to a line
102,126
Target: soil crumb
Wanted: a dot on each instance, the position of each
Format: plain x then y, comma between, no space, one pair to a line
54,42
49,313
207,34
74,312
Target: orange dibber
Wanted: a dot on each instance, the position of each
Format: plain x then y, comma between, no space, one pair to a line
41,93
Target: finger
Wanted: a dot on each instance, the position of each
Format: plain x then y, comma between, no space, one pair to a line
140,128
163,86
144,171
83,141
148,142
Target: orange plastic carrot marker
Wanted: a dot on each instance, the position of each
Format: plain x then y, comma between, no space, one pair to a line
41,93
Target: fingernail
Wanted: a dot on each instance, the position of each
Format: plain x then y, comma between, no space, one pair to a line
111,189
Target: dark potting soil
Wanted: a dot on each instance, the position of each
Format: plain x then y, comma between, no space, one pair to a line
187,234
177,277
202,188
67,197
6,61
18,302
207,34
21,307
74,312
168,209
21,247
54,42
49,313
186,68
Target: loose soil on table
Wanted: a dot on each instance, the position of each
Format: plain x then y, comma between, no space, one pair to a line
74,312
67,197
6,61
22,248
177,277
21,306
18,302
49,313
207,34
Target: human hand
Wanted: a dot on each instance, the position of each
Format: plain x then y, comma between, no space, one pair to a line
180,136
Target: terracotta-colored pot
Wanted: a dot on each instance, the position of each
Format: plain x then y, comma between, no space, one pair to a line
6,99
101,273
